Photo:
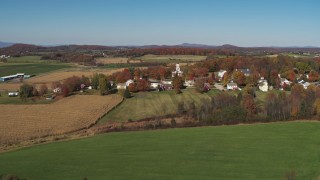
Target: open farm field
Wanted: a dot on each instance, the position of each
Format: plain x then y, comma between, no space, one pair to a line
48,78
151,104
29,68
23,122
171,58
288,150
112,60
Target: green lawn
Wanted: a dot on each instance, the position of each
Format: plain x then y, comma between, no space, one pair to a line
29,68
261,151
171,58
150,104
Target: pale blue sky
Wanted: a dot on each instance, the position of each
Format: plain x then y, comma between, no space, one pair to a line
144,22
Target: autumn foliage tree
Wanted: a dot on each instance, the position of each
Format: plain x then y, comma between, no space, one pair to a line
249,104
143,85
239,78
177,84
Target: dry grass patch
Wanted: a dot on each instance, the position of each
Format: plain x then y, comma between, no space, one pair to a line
112,60
23,122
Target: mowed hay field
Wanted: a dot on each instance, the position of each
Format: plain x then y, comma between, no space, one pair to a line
151,104
112,60
259,151
23,122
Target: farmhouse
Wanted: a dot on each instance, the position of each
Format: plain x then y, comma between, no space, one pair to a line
232,86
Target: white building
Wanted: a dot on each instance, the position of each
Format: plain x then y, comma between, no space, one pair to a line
219,75
154,84
304,84
232,86
177,71
121,86
189,83
263,85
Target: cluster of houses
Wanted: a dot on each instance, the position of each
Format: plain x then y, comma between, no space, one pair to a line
165,84
15,76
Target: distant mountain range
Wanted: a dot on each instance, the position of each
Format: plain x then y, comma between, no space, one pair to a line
5,44
7,48
190,45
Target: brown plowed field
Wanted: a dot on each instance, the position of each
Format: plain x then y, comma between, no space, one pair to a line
24,122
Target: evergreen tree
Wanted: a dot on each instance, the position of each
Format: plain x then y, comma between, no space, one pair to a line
127,93
102,86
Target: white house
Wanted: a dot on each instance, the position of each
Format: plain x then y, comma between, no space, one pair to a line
304,84
121,86
232,86
177,71
284,81
154,84
263,85
219,75
189,83
166,81
129,82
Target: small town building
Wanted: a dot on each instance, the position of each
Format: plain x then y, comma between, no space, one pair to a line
177,72
154,84
128,82
188,83
304,84
121,86
232,86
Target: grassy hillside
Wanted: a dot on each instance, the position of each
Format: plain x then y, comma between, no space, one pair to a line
29,68
261,151
29,59
150,104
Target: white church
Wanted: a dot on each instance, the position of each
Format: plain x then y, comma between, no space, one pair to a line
177,71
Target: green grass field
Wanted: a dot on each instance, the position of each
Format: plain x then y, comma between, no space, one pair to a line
261,151
29,68
171,58
150,104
